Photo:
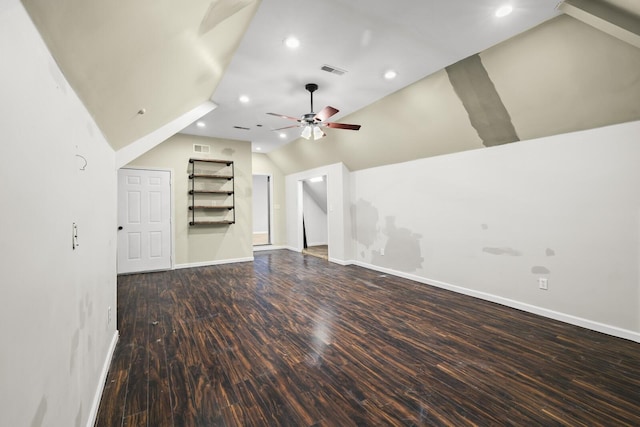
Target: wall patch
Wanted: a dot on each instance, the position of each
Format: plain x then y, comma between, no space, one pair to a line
487,112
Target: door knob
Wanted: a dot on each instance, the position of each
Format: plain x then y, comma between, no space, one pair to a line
119,228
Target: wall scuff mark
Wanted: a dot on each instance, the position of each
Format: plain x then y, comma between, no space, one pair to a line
502,251
538,269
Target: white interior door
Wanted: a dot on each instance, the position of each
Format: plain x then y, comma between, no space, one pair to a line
144,220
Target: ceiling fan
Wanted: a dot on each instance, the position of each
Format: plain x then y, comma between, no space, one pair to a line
312,122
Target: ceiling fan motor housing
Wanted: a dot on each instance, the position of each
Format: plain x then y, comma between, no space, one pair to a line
309,118
316,121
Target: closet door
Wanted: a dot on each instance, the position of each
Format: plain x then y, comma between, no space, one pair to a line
144,220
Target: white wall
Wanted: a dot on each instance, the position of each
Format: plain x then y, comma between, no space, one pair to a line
315,218
53,322
490,222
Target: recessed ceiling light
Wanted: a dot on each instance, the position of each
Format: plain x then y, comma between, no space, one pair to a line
258,149
283,135
390,75
200,124
292,42
504,10
244,99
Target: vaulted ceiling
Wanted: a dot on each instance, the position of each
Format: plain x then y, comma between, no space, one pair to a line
139,66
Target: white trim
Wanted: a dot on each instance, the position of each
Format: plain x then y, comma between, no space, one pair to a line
562,317
341,262
261,248
93,412
210,263
137,148
291,248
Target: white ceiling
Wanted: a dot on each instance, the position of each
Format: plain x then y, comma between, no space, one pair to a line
363,37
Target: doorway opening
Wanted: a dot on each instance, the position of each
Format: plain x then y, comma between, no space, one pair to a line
314,217
262,210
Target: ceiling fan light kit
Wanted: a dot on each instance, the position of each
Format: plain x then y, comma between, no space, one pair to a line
312,122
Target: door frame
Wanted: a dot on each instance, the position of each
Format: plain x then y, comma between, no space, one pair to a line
339,228
172,233
301,196
300,210
270,207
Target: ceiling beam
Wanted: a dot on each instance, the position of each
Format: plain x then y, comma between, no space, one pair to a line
606,18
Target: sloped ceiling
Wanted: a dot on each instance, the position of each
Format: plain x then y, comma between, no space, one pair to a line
562,76
364,38
138,65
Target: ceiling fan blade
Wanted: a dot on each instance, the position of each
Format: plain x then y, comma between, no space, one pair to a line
284,117
287,127
326,113
343,126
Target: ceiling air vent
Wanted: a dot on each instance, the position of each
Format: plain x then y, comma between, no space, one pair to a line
333,70
241,128
197,148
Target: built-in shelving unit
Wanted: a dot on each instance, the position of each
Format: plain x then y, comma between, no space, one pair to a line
212,200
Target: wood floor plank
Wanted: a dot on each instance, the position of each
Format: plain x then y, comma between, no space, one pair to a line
291,339
111,411
159,399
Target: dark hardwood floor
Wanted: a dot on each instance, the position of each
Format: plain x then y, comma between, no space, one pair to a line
293,340
320,251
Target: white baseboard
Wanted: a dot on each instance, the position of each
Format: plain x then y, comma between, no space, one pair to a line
291,248
562,317
210,263
267,248
93,413
341,262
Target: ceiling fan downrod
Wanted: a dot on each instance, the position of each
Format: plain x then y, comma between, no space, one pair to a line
311,87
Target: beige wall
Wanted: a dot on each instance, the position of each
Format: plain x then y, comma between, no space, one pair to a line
559,77
201,245
264,165
565,76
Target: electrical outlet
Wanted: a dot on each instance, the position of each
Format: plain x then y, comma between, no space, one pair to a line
382,251
543,283
109,316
